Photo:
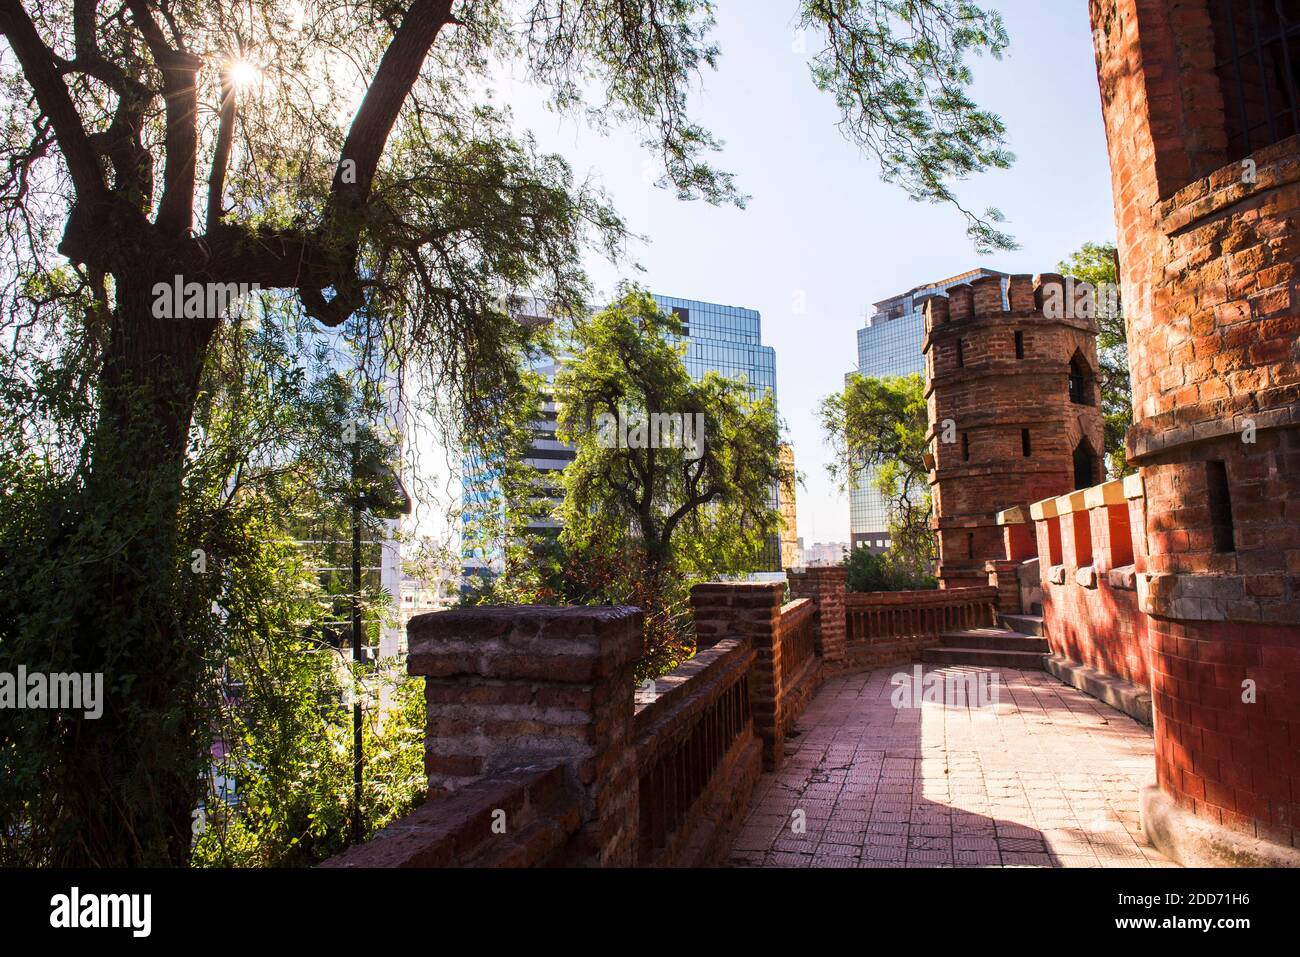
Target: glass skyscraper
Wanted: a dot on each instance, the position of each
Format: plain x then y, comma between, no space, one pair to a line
890,345
726,340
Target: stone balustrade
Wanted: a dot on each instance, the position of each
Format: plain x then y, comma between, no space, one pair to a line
894,627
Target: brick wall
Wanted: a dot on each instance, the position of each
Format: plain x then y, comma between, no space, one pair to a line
750,611
516,817
1229,760
826,587
787,639
507,686
1090,608
539,753
893,627
698,758
1208,263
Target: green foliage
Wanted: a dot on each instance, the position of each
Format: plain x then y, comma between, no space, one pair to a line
127,441
641,520
869,571
62,564
549,570
284,734
267,456
1098,264
898,71
878,427
715,492
303,442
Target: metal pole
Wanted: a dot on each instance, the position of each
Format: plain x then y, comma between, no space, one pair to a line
358,656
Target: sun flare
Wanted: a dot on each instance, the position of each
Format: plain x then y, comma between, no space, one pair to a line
242,73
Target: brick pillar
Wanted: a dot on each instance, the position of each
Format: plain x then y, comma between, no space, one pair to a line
1018,541
826,587
749,610
1209,265
510,685
1004,575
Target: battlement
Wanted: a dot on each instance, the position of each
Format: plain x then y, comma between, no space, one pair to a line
1045,296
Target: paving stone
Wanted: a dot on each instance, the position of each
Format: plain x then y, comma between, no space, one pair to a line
1050,778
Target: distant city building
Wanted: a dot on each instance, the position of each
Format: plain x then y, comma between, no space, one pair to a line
791,543
890,345
718,338
728,340
417,598
825,553
724,339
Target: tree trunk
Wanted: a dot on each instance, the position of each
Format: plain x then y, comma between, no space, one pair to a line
131,777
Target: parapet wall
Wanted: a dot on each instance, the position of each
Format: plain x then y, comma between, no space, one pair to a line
1222,696
540,752
1091,557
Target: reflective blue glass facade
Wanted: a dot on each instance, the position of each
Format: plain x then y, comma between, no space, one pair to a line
724,339
728,340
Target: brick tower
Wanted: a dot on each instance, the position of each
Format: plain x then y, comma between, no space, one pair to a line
1013,405
1200,103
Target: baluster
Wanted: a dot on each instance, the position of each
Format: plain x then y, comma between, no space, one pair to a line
714,757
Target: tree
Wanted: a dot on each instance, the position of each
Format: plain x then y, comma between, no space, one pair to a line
265,502
656,451
1098,264
680,473
434,564
877,428
154,148
874,571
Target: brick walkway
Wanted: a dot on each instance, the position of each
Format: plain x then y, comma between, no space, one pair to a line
1049,778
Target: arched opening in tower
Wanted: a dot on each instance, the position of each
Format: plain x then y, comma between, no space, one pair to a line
1081,380
1085,465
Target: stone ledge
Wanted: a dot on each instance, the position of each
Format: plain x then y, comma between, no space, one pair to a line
1086,576
1222,189
456,830
566,645
1209,421
1123,578
1132,699
1209,597
1196,842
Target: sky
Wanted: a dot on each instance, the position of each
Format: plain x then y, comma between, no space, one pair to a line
820,227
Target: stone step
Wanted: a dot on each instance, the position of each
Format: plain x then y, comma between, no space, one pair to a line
989,658
993,639
1025,624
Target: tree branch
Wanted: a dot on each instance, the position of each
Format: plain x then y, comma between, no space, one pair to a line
221,159
368,134
38,64
179,68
